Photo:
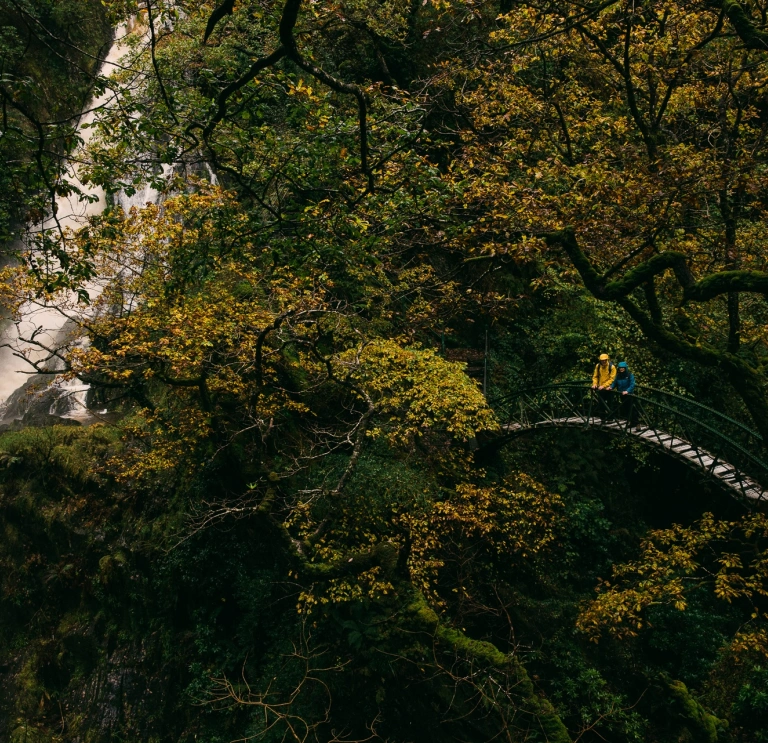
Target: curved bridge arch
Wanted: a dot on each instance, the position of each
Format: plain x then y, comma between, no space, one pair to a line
710,442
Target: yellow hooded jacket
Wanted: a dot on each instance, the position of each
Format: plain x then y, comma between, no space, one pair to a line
603,376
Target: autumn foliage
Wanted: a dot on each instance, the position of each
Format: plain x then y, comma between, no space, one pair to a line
345,197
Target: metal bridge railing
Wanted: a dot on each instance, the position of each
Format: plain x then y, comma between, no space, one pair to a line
703,437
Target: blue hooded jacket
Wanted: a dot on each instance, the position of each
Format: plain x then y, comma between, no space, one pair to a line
625,379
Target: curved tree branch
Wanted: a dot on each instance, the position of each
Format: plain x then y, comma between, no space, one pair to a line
722,282
488,655
288,47
745,379
226,8
153,55
725,282
287,24
747,30
241,82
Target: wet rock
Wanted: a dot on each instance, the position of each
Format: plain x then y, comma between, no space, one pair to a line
43,401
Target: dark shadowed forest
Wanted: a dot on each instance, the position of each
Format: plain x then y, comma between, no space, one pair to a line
301,306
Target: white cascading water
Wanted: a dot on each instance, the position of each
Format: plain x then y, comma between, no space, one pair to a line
51,322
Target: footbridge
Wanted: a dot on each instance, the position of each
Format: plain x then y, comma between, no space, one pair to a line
714,444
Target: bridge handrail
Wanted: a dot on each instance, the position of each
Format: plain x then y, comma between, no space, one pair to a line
696,403
715,438
687,400
735,446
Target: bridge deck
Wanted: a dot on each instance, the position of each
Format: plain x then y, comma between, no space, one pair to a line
680,448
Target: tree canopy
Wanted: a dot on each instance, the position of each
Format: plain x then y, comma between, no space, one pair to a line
289,490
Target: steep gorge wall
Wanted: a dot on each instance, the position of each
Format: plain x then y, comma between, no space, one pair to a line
49,55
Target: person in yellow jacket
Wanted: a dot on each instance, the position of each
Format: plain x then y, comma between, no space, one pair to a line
604,374
602,379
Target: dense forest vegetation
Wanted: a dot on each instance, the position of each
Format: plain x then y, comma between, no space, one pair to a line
49,56
283,530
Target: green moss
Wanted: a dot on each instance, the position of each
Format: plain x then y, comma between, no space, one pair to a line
29,690
487,654
752,36
65,451
700,725
383,554
727,281
27,732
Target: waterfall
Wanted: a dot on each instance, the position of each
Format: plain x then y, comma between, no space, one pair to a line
52,323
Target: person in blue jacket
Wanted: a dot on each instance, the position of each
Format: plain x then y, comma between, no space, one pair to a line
624,384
